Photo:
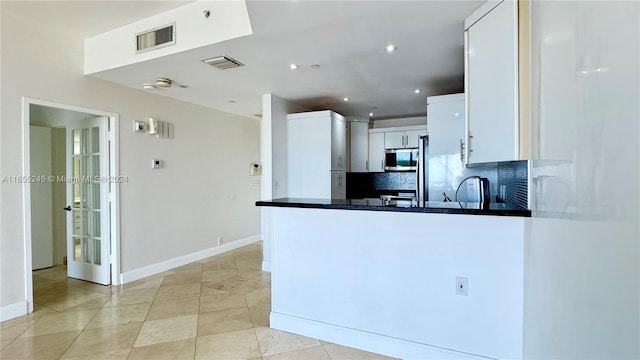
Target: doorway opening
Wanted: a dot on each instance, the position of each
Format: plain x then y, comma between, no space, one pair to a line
71,195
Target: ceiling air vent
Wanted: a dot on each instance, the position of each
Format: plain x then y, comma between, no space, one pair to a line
223,62
156,38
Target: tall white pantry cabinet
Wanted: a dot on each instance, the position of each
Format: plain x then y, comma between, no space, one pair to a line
317,155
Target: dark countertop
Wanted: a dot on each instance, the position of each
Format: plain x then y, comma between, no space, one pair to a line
437,207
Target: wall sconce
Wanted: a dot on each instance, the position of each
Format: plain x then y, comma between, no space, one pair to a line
161,129
153,126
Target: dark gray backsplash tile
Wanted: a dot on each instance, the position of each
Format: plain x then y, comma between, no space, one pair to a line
513,183
365,185
395,181
508,181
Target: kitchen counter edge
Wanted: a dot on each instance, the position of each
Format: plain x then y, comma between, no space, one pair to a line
341,204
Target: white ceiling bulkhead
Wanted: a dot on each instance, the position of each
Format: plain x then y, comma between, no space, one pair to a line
313,53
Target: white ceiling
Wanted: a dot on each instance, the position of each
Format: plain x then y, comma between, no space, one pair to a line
88,18
346,38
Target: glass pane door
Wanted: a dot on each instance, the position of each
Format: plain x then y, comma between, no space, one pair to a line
86,195
88,230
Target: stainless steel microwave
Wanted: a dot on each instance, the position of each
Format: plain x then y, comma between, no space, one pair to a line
400,159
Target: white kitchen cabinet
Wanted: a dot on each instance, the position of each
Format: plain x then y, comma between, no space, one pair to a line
491,83
394,140
412,137
359,146
338,142
316,154
376,151
402,139
446,125
338,184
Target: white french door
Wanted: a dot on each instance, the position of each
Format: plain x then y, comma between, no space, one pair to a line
88,237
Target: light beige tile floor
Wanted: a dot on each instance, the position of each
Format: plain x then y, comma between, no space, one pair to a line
217,308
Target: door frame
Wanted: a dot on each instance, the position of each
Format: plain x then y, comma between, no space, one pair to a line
114,196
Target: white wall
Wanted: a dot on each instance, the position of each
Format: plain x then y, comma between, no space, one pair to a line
41,199
583,261
53,117
273,157
417,120
59,191
203,191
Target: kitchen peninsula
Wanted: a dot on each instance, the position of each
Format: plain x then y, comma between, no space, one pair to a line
385,278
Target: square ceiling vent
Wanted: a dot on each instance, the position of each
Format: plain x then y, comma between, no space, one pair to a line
223,62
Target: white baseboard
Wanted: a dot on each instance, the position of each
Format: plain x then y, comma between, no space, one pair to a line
159,267
13,311
266,266
363,340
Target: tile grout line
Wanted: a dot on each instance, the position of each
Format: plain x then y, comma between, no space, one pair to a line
255,333
256,282
155,295
195,343
85,327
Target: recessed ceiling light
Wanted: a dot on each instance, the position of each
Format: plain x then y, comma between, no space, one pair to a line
370,114
293,66
391,48
355,119
346,99
149,87
315,66
417,91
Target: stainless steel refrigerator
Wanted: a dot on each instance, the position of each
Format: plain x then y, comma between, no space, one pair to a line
422,169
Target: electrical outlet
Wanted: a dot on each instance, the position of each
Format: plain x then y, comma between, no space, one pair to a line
462,286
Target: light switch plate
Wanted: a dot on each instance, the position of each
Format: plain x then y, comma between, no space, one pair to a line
139,126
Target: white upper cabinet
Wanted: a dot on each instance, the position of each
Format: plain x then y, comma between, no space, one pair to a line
359,146
446,125
412,137
491,83
394,140
376,152
403,139
381,139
